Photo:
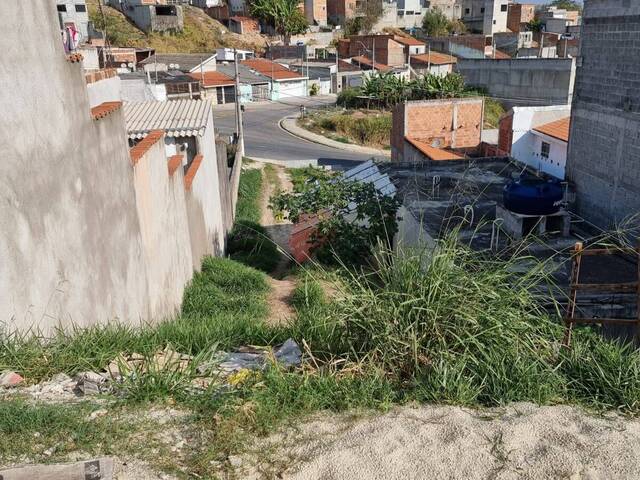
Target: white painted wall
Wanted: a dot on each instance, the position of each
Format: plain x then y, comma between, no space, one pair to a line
556,162
107,90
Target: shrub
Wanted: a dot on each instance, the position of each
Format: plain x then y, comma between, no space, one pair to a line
348,97
250,244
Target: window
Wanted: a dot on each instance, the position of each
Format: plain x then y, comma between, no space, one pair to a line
494,22
81,8
503,8
409,12
62,8
544,150
467,11
482,10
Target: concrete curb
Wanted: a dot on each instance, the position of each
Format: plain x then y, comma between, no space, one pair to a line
288,163
288,124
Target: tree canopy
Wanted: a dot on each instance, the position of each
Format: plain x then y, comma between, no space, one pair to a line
436,24
284,16
567,4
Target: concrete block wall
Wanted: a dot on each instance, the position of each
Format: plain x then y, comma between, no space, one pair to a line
604,148
530,82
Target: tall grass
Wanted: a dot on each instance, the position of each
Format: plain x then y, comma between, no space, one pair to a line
364,130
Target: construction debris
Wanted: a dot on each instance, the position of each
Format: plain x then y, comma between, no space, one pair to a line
96,469
10,379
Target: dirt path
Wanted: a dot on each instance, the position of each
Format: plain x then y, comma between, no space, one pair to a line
275,178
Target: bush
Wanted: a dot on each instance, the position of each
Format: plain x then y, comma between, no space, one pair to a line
348,97
250,244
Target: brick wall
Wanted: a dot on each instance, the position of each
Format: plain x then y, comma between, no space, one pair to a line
604,150
505,133
456,123
519,13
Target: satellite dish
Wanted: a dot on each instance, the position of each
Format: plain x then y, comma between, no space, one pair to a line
130,65
123,65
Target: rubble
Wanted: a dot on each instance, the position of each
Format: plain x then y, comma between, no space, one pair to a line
91,383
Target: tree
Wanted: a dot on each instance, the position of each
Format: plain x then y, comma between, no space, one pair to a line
436,24
535,25
371,11
566,5
283,15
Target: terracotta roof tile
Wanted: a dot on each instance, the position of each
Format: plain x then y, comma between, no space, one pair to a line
362,60
191,173
213,79
143,146
437,58
98,75
271,69
433,153
104,109
173,164
408,41
75,58
558,129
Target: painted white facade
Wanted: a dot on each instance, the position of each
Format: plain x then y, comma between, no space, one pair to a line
526,144
227,55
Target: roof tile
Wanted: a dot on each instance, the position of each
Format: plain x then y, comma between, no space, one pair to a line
433,153
191,173
558,129
138,151
104,109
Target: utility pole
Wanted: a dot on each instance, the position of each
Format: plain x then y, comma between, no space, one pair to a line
429,59
239,132
541,43
373,54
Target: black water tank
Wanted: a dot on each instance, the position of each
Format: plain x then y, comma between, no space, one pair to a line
533,196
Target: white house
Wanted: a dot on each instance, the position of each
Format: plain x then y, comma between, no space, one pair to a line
226,54
537,137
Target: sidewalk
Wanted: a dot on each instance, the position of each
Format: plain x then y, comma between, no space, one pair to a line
289,124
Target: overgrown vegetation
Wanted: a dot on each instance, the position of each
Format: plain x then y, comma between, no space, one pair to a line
249,242
284,16
370,11
436,24
493,110
201,33
352,217
368,128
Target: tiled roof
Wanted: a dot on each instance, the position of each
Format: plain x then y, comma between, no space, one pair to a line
433,153
271,69
174,162
347,67
177,118
437,58
213,79
143,146
558,129
241,19
408,41
104,109
362,60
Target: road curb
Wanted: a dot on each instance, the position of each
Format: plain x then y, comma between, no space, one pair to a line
288,124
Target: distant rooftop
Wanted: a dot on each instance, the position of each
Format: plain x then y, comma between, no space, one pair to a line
435,58
186,61
271,69
177,118
558,129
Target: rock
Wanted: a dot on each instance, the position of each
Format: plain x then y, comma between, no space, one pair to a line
9,379
235,461
98,413
91,383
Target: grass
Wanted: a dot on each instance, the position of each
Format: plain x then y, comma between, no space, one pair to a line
493,110
201,33
359,127
249,242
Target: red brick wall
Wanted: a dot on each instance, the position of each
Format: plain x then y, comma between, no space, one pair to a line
519,14
505,133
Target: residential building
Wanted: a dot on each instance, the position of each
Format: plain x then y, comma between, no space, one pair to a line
451,8
519,15
254,87
523,82
405,14
216,86
115,231
604,145
242,25
339,11
74,13
434,63
184,62
284,83
486,16
385,50
411,46
556,20
151,15
537,137
436,129
238,8
462,46
315,11
226,54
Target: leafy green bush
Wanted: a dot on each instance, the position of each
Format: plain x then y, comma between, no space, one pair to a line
348,97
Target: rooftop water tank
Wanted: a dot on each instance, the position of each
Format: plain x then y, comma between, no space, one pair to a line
533,196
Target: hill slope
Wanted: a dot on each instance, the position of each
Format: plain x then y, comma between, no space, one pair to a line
201,33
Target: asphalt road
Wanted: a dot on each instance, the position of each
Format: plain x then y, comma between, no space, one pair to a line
265,139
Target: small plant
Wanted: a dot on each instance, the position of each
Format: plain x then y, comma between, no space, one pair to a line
354,217
314,89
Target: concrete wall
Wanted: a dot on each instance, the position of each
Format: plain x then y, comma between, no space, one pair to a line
146,18
604,150
162,213
64,178
72,15
107,90
522,81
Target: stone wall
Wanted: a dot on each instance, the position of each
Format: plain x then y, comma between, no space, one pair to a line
530,82
604,148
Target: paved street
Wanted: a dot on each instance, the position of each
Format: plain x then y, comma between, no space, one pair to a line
265,139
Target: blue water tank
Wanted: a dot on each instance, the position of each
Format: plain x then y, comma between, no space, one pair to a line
533,196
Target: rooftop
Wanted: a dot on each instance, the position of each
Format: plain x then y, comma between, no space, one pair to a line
247,76
433,153
362,60
187,61
177,118
271,69
409,41
435,58
558,129
213,79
